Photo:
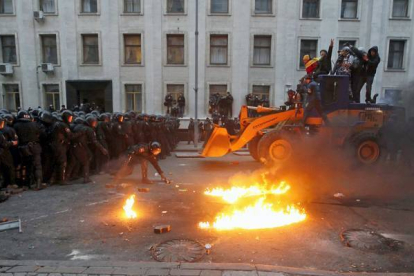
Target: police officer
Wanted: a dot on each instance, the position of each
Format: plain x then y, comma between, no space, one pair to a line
181,105
30,149
143,153
102,130
8,139
191,129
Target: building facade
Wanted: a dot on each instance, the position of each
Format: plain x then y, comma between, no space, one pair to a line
128,54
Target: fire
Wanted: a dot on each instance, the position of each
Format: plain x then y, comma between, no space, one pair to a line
235,193
129,212
263,211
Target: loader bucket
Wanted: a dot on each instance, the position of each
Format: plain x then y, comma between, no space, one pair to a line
218,144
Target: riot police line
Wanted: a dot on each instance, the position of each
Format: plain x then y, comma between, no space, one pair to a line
40,148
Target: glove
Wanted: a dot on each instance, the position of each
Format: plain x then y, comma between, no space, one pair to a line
104,151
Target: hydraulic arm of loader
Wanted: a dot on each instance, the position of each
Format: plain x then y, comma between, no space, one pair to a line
221,143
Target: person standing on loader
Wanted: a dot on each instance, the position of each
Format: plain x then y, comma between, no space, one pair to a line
313,100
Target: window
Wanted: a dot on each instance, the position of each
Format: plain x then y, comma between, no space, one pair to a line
219,6
47,6
52,95
89,6
12,96
263,6
393,96
133,54
218,88
175,90
175,49
49,49
343,42
396,54
134,97
261,90
400,8
90,49
349,9
132,6
262,49
8,49
6,6
218,49
310,9
175,6
307,47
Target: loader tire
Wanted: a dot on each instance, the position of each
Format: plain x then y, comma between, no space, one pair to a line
275,148
367,148
253,147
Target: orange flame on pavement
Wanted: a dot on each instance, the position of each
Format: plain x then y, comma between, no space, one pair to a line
261,212
129,212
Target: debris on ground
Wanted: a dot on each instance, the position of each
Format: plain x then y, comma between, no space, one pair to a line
183,190
143,190
164,212
161,229
339,195
110,186
208,248
7,224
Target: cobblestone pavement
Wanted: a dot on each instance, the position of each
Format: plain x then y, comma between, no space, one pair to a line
95,268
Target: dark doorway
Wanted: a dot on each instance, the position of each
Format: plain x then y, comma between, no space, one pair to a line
92,92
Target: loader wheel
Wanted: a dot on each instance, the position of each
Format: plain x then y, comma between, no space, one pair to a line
275,148
254,148
368,150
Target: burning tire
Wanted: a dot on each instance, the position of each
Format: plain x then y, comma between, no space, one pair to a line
275,148
368,150
253,147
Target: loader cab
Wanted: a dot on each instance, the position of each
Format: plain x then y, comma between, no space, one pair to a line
334,92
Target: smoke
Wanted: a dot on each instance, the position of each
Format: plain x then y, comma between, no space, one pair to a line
402,96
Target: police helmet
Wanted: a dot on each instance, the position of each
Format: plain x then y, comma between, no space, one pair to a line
24,115
67,116
79,121
92,121
46,117
9,118
155,148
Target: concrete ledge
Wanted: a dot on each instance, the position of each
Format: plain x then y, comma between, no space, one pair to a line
62,268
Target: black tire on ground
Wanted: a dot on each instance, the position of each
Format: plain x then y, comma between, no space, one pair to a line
367,148
275,148
253,147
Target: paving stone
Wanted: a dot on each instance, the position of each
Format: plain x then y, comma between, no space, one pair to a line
185,272
8,263
239,273
157,265
157,272
6,274
235,267
55,274
261,273
70,270
130,271
65,274
211,273
4,268
99,270
20,274
18,269
47,269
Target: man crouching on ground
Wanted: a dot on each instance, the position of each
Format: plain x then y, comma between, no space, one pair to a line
142,153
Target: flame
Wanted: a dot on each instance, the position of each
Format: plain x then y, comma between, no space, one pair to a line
129,212
261,213
235,193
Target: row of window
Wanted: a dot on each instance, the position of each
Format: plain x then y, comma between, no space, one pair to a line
310,8
134,94
218,56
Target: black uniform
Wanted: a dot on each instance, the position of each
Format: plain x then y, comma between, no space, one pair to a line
30,149
7,136
80,155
